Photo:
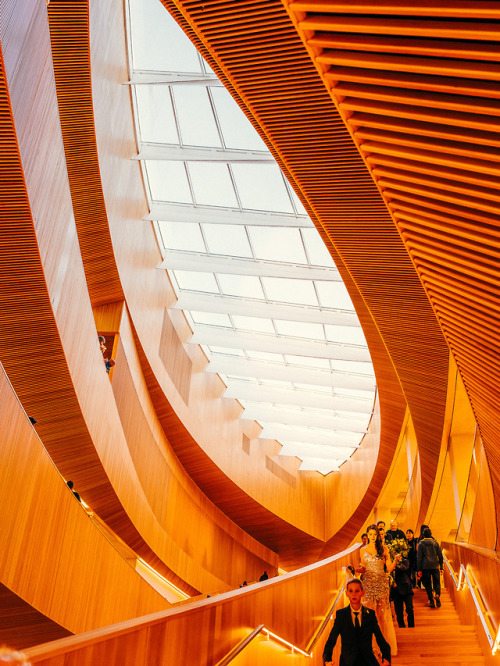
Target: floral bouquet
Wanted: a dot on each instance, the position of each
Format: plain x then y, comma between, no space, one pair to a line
397,547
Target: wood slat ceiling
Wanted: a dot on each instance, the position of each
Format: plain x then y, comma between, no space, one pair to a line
255,49
418,88
74,93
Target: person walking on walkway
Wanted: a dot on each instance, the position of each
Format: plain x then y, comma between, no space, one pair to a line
429,566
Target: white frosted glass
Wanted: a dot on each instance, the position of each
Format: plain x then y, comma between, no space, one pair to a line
158,43
168,181
277,244
195,116
237,131
286,290
182,236
247,286
156,126
353,366
298,203
333,295
254,324
204,282
347,334
211,319
308,361
298,329
261,187
316,249
227,351
227,239
265,356
212,184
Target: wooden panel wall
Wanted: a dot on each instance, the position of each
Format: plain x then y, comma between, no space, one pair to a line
292,606
48,337
417,88
214,550
485,567
51,555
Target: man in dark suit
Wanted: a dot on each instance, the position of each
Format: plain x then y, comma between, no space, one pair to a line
356,625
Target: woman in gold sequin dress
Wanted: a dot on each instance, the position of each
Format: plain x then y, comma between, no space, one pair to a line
376,566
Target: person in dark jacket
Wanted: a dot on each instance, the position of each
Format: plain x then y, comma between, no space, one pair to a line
412,556
402,593
394,532
429,565
356,625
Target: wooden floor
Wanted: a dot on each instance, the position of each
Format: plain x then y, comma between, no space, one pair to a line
438,636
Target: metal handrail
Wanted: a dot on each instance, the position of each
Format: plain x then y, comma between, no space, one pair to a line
241,646
465,578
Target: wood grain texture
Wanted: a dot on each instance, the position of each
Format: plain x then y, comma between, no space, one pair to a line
59,574
485,567
218,624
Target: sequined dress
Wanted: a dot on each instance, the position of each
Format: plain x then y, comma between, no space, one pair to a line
376,587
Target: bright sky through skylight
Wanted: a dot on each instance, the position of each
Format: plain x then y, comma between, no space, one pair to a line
254,278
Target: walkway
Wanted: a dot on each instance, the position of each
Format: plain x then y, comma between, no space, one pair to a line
438,637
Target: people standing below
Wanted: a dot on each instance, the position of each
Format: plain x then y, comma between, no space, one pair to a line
357,626
264,576
412,556
402,593
70,485
429,566
375,566
383,535
393,532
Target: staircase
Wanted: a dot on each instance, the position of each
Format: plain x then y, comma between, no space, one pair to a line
438,637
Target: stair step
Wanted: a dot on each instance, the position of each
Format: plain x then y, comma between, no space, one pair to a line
438,637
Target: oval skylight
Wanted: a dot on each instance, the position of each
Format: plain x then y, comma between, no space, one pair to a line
251,273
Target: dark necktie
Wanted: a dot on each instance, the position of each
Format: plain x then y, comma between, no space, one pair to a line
357,626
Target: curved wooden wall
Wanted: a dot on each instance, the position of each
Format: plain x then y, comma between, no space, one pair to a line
417,88
484,565
54,562
292,606
48,339
255,47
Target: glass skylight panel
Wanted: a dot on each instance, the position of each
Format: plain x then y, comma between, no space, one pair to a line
308,361
333,295
182,236
211,318
261,187
231,240
168,181
158,42
156,127
265,356
246,286
226,351
316,249
212,184
204,282
237,132
254,324
346,334
196,118
353,366
313,387
205,117
299,329
286,290
277,244
299,208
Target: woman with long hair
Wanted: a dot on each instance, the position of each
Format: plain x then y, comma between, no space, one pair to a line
376,565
